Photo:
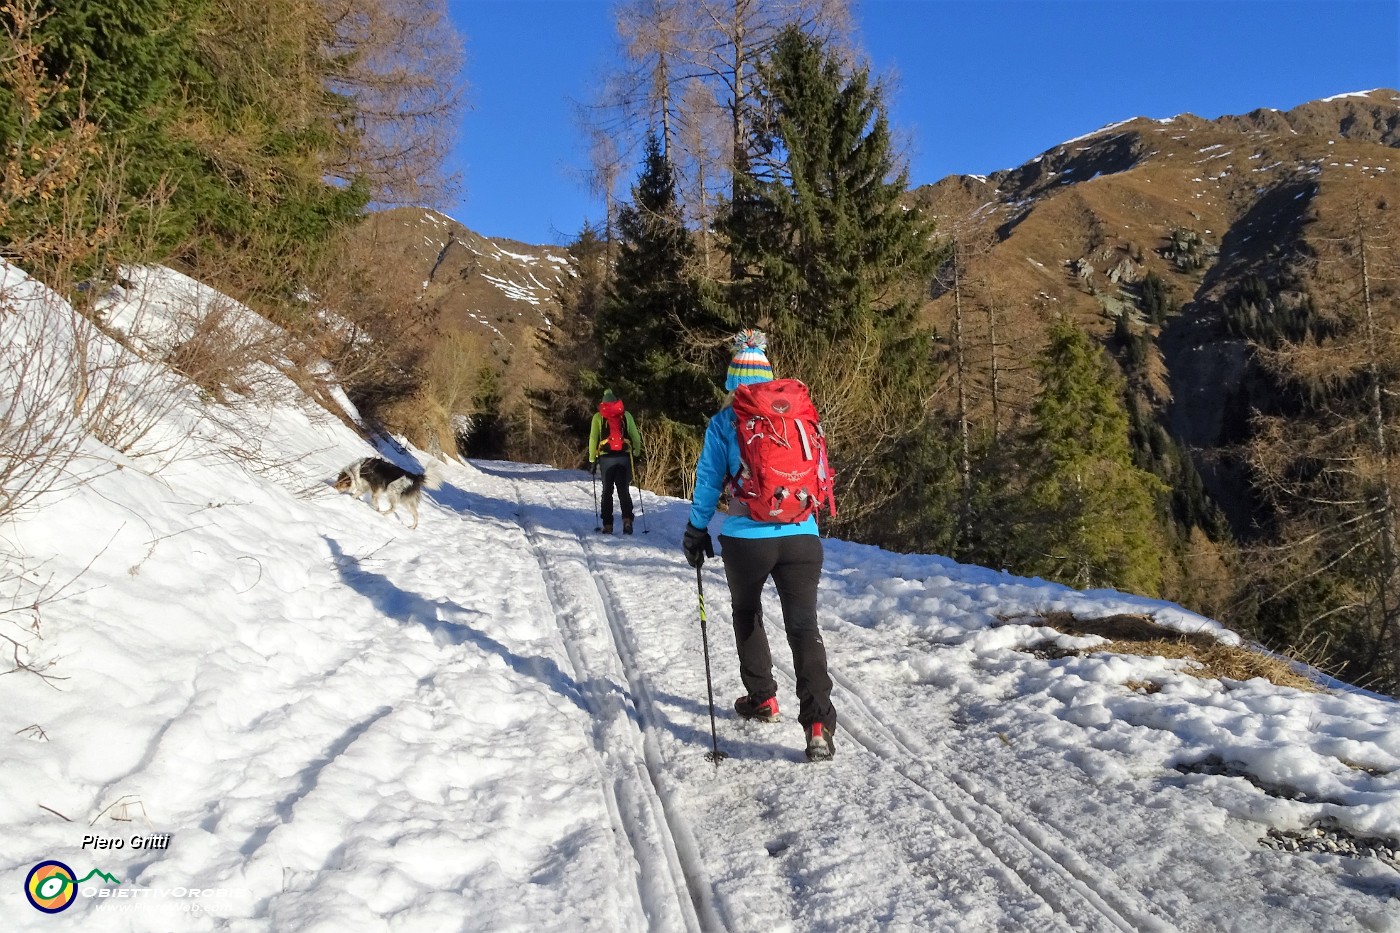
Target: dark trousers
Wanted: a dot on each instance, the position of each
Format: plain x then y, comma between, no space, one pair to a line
616,469
795,564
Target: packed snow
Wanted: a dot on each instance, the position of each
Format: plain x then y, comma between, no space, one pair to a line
500,720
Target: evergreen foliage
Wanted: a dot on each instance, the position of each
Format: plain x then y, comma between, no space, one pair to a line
1091,511
1157,452
1187,251
124,58
486,436
214,129
1259,313
1154,300
114,69
569,346
656,318
817,231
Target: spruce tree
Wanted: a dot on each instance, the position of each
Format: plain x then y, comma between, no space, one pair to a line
1090,511
651,326
818,229
569,346
123,58
209,147
88,66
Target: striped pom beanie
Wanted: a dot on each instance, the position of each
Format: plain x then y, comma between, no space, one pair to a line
749,364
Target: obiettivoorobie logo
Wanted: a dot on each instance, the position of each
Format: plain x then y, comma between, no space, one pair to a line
51,886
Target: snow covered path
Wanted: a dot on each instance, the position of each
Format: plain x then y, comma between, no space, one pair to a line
499,722
900,832
633,644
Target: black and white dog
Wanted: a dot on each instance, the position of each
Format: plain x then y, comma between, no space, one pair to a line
382,478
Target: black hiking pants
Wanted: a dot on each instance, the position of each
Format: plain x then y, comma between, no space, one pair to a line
616,470
795,564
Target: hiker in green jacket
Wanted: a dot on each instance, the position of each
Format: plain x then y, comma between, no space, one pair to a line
613,442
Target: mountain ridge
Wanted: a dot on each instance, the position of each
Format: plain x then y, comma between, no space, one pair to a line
1208,207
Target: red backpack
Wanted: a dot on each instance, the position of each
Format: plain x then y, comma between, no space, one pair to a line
785,475
615,434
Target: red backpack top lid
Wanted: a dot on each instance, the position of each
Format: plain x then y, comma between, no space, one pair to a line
784,476
616,436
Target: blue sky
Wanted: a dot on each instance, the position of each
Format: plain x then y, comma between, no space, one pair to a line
981,85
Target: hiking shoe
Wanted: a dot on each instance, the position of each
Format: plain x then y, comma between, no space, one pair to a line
626,525
607,528
819,744
762,710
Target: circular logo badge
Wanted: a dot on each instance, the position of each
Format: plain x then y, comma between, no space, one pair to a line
781,406
50,886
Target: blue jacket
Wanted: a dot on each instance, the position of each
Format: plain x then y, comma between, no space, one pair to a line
719,460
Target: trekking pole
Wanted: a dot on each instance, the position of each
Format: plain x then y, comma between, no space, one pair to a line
641,506
596,514
715,754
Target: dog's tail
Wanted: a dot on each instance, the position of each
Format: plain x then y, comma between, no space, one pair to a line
432,475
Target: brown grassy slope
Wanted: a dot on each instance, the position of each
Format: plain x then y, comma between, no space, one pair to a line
1104,206
500,293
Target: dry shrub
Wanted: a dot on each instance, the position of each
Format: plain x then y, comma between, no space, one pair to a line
1202,578
1140,635
419,417
42,393
553,447
225,350
368,322
128,403
866,413
671,451
443,398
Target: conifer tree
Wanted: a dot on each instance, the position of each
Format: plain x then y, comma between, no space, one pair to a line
569,345
690,68
1089,512
98,82
651,325
238,137
818,227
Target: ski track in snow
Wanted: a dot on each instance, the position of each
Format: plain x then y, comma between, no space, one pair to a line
1045,863
671,886
1049,885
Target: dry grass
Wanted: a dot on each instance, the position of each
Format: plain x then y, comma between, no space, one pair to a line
1140,635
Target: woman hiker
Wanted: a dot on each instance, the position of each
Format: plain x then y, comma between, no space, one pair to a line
753,551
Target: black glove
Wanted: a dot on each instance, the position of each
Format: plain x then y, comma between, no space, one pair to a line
593,467
697,545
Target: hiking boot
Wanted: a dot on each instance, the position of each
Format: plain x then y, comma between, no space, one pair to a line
819,744
762,710
607,527
627,524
